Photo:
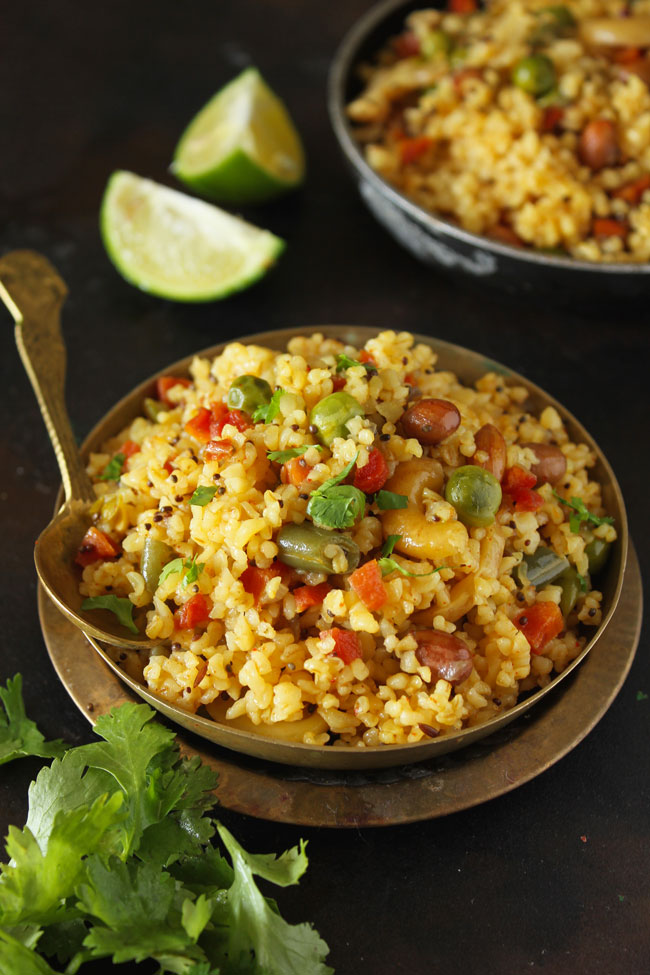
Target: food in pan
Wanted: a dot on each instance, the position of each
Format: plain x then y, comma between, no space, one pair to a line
525,122
346,545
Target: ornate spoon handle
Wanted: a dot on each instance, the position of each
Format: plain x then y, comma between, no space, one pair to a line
34,294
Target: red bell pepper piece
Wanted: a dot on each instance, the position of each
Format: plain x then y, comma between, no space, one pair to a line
192,613
518,484
540,623
406,45
412,149
632,192
346,643
338,382
165,383
96,546
367,358
606,227
129,448
295,471
254,579
374,475
236,418
368,584
307,596
462,6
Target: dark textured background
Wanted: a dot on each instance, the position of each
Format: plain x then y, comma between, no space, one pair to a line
508,887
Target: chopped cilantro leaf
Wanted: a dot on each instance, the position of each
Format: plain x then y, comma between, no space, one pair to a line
268,411
203,495
190,567
388,500
123,609
336,505
389,545
344,362
580,514
388,565
582,580
282,456
641,696
176,565
114,468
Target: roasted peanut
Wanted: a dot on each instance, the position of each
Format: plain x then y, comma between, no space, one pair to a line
551,463
447,655
430,420
490,441
598,145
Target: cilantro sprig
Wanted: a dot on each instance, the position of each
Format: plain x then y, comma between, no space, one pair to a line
387,564
282,456
581,514
389,501
120,606
336,505
120,859
18,735
344,362
190,568
266,412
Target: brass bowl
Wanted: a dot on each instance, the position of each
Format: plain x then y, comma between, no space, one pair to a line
468,366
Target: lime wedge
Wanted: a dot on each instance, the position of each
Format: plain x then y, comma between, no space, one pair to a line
242,147
174,246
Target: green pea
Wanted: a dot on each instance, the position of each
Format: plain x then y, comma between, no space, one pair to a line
534,74
475,494
558,18
435,44
152,407
154,556
247,393
597,551
303,547
542,566
570,582
331,415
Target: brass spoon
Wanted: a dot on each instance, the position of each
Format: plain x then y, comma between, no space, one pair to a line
34,293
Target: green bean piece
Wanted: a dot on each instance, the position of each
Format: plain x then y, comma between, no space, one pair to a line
154,556
435,44
331,415
153,407
570,582
597,551
475,494
542,566
534,74
303,547
247,393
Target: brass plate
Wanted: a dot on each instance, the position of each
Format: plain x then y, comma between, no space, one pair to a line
468,366
407,793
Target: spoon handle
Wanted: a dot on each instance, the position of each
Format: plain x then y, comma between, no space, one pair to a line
34,293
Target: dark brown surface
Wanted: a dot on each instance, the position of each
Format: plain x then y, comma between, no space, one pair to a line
552,876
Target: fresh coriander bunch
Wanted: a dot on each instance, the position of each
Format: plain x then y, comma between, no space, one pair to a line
117,861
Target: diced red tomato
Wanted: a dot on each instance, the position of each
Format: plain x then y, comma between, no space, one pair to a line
192,613
307,596
518,484
462,6
295,471
407,45
368,584
198,426
169,466
606,227
374,475
254,579
346,643
368,358
626,55
632,192
96,546
338,382
540,623
552,118
412,149
129,448
165,383
218,450
234,418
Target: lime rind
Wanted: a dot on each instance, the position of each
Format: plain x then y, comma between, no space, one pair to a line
242,147
174,246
